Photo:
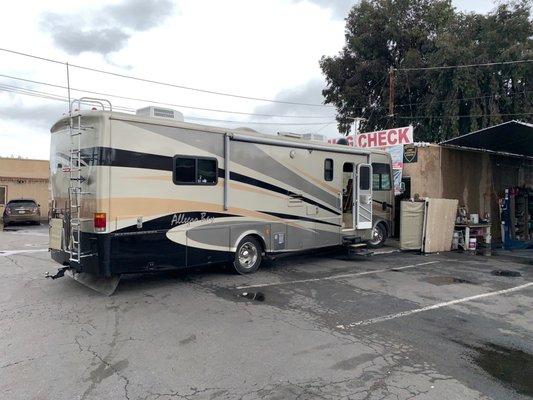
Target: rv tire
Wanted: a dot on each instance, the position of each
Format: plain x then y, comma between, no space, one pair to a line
248,256
379,235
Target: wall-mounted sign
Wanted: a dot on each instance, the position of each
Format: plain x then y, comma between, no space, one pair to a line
385,138
410,154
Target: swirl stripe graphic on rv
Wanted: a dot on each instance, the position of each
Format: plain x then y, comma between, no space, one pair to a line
170,221
106,156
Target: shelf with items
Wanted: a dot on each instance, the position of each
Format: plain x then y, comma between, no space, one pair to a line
517,217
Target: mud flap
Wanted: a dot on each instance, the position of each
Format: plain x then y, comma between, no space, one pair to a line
105,286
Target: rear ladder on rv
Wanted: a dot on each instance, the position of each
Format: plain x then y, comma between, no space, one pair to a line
75,189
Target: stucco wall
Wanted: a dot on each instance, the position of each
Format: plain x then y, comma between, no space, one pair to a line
426,179
25,179
24,168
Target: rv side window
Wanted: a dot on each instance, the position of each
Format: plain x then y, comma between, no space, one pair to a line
328,169
195,171
381,179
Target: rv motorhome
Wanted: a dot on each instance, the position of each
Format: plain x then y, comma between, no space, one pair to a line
149,192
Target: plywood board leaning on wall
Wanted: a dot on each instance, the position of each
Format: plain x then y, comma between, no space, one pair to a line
411,224
439,224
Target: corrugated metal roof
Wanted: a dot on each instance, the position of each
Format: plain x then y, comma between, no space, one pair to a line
512,137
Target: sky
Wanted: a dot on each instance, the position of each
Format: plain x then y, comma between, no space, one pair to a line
253,48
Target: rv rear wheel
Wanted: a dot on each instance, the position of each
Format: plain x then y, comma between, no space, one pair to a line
248,256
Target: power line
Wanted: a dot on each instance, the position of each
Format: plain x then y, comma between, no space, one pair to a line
162,103
163,83
463,65
462,99
460,116
324,126
263,122
379,97
52,96
47,96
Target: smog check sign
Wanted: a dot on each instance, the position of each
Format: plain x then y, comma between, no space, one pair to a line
390,137
385,138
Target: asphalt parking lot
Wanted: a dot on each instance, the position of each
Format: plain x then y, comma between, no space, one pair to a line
392,326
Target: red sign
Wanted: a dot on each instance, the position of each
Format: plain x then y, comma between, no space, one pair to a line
386,138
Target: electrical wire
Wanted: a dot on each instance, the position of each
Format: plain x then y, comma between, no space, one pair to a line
462,99
52,96
256,98
461,116
146,80
463,65
162,103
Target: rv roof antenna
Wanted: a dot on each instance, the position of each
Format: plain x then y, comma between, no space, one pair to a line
68,88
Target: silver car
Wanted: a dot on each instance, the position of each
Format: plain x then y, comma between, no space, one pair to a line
22,210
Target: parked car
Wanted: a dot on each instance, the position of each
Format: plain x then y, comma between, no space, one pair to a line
22,210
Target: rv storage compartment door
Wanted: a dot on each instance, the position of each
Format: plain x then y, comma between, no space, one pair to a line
56,233
363,197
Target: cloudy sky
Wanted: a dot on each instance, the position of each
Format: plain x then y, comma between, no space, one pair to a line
254,48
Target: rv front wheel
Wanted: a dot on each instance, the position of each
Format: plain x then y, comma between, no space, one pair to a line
248,256
379,235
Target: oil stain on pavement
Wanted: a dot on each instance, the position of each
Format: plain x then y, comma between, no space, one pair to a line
512,367
446,280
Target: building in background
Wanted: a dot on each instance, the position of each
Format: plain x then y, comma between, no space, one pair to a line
475,169
24,179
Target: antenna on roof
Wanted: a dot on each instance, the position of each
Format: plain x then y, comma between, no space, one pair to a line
68,87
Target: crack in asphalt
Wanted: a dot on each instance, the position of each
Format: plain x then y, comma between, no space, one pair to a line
105,368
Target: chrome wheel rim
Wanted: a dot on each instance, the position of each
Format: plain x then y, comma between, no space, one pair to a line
248,255
377,235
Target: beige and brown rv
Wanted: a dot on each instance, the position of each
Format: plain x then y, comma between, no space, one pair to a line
148,192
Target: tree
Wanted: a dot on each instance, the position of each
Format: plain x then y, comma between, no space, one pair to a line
440,103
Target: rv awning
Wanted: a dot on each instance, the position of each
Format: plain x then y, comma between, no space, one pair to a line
512,138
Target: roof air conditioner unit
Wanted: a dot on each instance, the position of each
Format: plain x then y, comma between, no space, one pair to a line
159,112
314,136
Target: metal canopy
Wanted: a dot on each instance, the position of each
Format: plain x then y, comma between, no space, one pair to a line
512,138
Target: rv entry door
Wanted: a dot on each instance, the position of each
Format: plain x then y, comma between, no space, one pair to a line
363,197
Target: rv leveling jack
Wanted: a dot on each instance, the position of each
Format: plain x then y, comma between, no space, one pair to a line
60,273
357,250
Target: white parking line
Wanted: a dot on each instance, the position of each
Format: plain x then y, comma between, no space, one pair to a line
26,233
433,307
375,271
7,253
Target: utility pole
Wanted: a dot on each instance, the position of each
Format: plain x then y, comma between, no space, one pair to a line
391,92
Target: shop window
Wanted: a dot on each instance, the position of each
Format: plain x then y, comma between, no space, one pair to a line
381,178
3,195
328,169
195,171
